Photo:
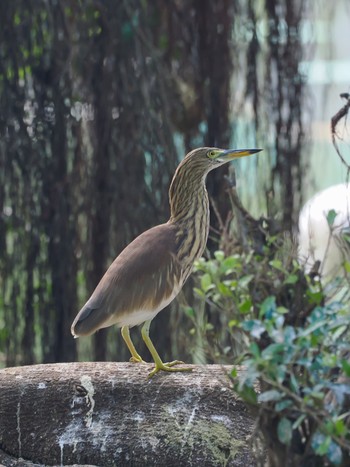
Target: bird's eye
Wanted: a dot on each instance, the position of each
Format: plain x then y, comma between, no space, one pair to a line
211,154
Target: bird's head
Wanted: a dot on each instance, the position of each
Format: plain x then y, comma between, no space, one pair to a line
208,159
190,175
199,162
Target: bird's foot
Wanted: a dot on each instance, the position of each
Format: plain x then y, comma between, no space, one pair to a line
160,366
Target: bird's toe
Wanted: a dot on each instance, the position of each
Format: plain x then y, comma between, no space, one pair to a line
168,367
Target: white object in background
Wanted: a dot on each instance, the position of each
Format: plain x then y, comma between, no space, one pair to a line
324,222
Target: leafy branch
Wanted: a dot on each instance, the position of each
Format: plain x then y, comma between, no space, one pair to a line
293,343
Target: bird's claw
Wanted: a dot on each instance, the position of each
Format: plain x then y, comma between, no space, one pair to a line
168,367
173,363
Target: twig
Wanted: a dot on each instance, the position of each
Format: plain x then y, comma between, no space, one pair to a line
343,112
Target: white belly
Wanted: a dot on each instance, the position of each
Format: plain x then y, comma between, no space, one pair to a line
137,317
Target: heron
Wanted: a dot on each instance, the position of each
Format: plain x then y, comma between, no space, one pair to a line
150,272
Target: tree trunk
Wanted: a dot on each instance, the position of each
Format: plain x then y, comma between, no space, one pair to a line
110,414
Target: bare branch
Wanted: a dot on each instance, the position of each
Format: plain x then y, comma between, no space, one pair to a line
343,112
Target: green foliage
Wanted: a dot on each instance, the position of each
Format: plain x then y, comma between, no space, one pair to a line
223,282
296,350
231,286
302,371
224,287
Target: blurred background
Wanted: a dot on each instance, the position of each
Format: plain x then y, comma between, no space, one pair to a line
100,100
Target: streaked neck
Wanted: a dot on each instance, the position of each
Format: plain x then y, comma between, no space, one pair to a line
189,206
187,193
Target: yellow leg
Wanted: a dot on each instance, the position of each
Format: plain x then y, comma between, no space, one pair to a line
135,358
159,365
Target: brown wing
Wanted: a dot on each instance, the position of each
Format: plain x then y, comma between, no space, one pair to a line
140,278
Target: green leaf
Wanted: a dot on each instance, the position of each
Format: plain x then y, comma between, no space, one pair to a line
231,283
277,264
245,306
245,280
232,323
312,328
340,391
334,453
212,268
273,349
320,443
331,215
199,292
291,279
231,263
199,265
315,297
299,421
324,445
340,427
254,327
284,430
189,311
254,348
272,395
293,383
347,266
329,360
289,334
282,405
224,290
268,307
206,282
248,394
219,255
338,332
346,367
281,373
318,395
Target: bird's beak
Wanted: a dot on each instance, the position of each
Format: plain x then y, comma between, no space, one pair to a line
230,154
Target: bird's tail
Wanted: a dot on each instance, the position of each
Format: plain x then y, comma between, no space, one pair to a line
87,321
